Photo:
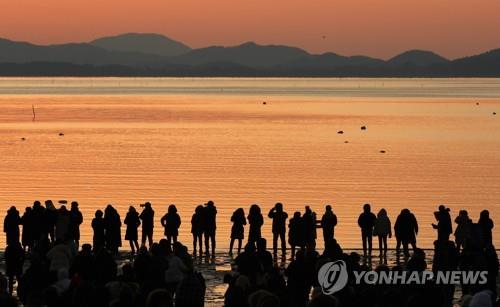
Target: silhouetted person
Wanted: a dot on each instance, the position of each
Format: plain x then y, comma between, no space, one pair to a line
279,227
328,223
417,261
406,230
492,266
83,264
463,229
309,227
255,220
63,224
34,280
191,290
27,222
51,219
76,219
11,224
238,289
444,223
366,221
298,283
14,261
246,262
133,222
197,224
93,278
296,235
485,224
39,222
105,266
176,266
99,239
209,226
238,229
171,222
382,229
264,256
332,250
112,226
445,260
147,218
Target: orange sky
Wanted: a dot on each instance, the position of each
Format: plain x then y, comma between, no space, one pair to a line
379,28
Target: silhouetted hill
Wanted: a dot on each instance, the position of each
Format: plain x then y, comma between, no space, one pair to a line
142,43
417,58
248,59
247,54
484,64
75,53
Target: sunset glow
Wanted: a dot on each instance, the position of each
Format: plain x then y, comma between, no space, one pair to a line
376,28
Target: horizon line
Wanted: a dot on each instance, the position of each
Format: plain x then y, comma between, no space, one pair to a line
243,43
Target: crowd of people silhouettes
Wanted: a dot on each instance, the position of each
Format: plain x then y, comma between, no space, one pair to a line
60,273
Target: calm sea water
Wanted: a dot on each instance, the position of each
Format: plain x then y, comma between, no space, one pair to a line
185,141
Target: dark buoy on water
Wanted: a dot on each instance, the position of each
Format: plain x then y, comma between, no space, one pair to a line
477,103
61,134
345,142
23,139
494,113
382,151
363,127
340,132
264,103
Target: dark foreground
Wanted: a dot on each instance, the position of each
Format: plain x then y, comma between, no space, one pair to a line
121,278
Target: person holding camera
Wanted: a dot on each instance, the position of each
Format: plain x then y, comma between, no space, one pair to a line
279,218
444,227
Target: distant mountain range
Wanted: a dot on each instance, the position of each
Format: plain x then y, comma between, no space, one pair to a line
142,43
136,54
